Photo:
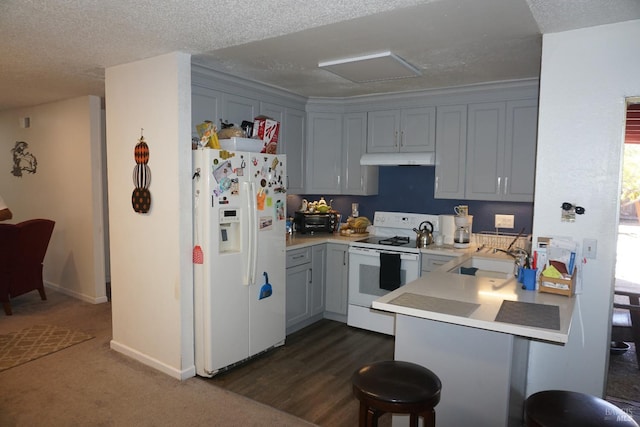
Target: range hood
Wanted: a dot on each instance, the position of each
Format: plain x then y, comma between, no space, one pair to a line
398,159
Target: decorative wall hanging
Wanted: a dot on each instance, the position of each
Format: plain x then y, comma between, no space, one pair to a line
141,197
23,160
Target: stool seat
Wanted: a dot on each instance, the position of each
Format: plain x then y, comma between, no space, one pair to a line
396,387
554,408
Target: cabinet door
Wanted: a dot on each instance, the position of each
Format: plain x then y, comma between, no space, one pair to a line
205,105
324,153
418,129
238,108
485,151
293,131
451,152
318,278
298,296
383,131
357,179
520,150
337,278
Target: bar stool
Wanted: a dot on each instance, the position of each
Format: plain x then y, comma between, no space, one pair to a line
553,408
396,387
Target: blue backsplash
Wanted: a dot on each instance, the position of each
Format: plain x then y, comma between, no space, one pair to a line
410,189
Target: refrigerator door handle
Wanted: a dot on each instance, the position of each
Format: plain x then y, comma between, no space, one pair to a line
253,234
246,276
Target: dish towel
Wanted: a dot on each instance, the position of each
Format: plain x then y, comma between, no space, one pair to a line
389,271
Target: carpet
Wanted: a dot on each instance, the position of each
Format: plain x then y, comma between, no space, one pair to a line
34,342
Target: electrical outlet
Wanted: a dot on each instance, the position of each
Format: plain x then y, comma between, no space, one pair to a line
589,248
504,221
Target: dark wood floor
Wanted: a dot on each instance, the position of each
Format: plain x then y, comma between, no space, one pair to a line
310,376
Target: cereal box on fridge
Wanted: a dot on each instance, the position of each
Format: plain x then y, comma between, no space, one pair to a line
267,130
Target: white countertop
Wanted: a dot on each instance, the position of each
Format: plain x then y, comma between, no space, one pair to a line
488,293
298,241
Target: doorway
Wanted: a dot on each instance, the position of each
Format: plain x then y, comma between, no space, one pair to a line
623,380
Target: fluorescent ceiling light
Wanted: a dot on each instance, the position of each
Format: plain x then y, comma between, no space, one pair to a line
371,68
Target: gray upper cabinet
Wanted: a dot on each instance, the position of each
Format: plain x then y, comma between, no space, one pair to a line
357,180
451,152
493,157
520,150
501,151
335,144
324,153
485,151
238,108
293,132
205,105
408,130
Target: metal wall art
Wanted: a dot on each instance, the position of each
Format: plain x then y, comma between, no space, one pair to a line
23,160
141,197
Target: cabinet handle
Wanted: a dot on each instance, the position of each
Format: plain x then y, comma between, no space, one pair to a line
298,256
437,181
506,184
344,258
395,139
499,184
402,139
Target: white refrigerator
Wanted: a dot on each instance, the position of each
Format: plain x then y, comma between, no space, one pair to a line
239,256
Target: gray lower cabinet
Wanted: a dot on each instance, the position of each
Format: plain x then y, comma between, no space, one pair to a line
337,282
305,277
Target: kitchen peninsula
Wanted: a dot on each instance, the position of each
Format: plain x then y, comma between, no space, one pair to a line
474,333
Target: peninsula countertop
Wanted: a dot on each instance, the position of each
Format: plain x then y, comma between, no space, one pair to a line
475,302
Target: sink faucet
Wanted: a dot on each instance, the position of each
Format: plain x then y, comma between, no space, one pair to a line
519,255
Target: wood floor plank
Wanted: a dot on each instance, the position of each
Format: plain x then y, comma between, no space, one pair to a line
310,376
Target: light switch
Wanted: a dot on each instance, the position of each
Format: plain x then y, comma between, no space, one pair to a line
589,248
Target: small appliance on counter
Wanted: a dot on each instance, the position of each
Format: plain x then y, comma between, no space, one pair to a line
463,222
316,217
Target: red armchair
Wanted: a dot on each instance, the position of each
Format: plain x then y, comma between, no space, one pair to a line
22,250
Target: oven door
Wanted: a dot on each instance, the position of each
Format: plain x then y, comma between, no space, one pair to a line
364,273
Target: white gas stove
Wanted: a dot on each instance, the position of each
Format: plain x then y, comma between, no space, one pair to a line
384,261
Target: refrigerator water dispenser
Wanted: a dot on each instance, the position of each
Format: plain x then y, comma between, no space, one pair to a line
229,231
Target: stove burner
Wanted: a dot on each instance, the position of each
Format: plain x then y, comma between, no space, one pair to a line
395,241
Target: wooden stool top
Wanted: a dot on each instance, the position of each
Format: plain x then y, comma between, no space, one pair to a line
567,408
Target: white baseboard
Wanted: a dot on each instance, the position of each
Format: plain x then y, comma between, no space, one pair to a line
154,363
76,295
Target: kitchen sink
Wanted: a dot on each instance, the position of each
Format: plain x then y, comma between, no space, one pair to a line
497,268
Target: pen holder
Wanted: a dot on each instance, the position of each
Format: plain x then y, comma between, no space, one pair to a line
528,276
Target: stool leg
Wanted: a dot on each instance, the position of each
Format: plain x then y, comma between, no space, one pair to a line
362,418
372,417
429,418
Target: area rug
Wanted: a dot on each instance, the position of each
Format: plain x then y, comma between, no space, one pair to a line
34,342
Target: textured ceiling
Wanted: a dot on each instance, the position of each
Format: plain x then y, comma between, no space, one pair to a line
57,49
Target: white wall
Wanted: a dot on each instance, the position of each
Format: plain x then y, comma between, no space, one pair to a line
586,75
151,266
66,139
